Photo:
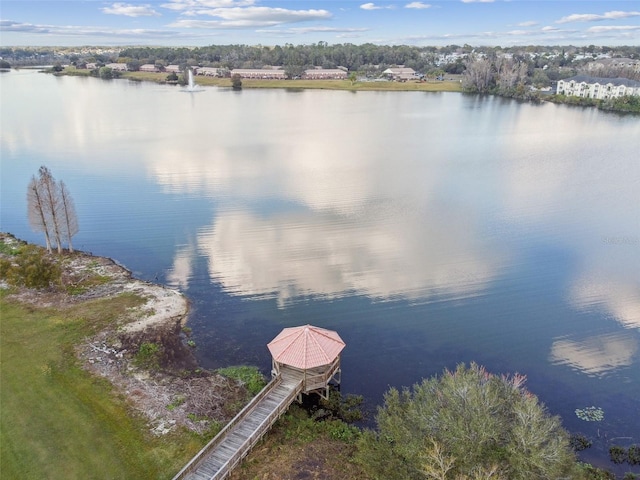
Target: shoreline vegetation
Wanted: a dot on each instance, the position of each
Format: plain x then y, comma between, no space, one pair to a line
98,373
451,83
99,380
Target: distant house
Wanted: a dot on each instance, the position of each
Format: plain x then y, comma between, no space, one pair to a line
325,73
261,73
148,67
118,67
172,69
401,74
91,66
606,63
209,71
599,88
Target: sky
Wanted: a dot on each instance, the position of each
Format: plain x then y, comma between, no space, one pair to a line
277,22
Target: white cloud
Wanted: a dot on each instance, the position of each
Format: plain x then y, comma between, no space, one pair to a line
530,23
477,1
129,10
593,17
190,5
613,28
252,17
417,5
373,6
80,31
305,30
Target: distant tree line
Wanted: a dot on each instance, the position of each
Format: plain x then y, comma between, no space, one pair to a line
544,64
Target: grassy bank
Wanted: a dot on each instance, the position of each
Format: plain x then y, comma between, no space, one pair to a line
58,421
428,86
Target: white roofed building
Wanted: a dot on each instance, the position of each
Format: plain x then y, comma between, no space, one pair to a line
598,88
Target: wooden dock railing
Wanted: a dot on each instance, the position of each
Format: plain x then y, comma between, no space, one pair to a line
250,436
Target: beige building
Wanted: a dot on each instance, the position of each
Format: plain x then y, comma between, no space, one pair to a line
119,67
618,63
325,73
401,74
261,73
148,67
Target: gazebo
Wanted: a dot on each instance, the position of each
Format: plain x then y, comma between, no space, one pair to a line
310,354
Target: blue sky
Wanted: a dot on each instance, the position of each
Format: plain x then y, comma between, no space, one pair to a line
276,22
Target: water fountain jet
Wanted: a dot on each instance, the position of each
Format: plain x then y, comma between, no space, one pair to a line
191,86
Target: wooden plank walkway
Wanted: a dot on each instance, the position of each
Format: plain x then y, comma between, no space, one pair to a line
221,455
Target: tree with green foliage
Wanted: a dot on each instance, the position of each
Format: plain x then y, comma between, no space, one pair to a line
466,424
106,73
236,82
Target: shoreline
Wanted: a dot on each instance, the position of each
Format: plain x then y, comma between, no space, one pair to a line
453,85
172,390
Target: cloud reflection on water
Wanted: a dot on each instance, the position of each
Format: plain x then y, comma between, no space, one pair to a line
292,255
596,355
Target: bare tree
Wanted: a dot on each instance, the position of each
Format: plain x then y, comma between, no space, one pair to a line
70,225
51,196
51,209
36,210
511,73
478,74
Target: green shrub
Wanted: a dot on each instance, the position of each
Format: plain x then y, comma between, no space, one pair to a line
179,400
251,377
339,430
346,408
31,267
585,471
471,421
617,454
148,356
579,442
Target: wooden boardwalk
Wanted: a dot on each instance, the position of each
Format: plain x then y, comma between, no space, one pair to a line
220,456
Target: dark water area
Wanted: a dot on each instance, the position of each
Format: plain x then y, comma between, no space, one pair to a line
428,229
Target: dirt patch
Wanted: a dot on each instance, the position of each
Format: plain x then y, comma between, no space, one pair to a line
278,459
175,392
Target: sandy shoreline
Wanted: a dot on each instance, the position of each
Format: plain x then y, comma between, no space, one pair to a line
177,394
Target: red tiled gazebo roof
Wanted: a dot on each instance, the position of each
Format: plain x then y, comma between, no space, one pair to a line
306,347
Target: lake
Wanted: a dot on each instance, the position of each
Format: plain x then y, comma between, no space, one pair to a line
428,229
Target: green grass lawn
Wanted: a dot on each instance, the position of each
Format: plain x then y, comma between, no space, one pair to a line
431,86
59,422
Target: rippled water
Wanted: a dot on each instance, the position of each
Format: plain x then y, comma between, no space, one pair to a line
427,229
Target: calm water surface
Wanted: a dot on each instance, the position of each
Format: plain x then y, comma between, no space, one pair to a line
427,229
